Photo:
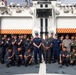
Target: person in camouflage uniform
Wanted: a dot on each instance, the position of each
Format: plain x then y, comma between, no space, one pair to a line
73,56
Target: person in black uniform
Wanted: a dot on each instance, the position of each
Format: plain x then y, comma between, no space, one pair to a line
64,57
47,50
37,48
28,57
19,56
8,57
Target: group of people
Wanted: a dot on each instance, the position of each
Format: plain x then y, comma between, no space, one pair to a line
16,50
21,50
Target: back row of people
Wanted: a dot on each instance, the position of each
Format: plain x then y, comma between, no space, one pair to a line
22,48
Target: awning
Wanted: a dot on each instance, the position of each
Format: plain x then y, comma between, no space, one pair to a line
66,30
16,31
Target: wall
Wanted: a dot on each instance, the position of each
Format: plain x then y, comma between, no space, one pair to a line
16,25
66,22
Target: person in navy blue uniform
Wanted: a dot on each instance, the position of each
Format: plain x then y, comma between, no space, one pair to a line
20,42
12,37
8,57
14,43
4,38
37,48
64,57
42,48
2,49
56,43
5,47
7,43
27,44
31,43
19,56
14,46
47,50
28,57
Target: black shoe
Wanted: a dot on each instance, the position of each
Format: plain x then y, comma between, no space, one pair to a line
18,65
58,62
36,62
49,62
8,65
26,65
54,61
67,65
40,61
45,62
2,61
63,64
30,63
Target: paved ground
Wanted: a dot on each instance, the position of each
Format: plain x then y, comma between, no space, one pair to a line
46,69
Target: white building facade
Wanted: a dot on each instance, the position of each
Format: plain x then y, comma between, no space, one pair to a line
16,19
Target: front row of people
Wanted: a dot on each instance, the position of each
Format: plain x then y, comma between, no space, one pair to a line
18,57
65,58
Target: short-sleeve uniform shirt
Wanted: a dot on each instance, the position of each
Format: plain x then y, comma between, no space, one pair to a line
37,41
67,43
47,43
56,44
65,53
